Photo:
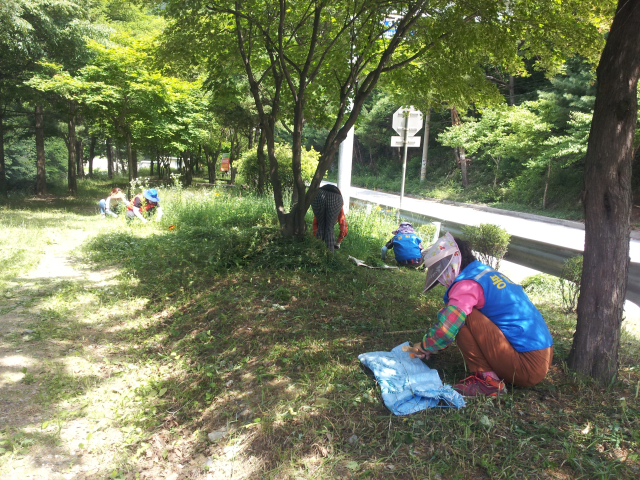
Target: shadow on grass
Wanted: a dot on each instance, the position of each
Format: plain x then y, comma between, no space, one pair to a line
269,352
229,328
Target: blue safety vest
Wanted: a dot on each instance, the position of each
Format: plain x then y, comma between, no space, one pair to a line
506,305
406,246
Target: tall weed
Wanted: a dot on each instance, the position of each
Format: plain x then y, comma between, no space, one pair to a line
570,282
205,233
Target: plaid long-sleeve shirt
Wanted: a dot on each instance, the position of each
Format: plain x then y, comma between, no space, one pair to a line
450,320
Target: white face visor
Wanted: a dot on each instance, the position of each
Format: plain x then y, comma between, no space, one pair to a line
442,260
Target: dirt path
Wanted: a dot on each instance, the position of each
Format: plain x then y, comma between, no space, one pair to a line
67,381
24,358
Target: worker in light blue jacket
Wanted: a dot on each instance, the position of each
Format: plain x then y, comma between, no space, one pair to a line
407,246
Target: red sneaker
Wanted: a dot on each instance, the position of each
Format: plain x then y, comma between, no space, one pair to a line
473,386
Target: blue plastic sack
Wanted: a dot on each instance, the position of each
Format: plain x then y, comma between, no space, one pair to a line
407,384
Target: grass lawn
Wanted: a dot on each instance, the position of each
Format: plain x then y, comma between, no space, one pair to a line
217,325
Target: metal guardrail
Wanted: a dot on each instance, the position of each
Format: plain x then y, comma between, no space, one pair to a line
544,257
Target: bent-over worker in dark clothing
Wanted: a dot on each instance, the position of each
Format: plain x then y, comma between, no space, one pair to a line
327,211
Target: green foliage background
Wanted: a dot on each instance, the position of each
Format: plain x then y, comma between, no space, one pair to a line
248,165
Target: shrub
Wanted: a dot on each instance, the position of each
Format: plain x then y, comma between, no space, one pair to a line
570,279
248,165
542,286
489,241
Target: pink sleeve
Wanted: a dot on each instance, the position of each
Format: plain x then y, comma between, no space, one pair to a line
465,295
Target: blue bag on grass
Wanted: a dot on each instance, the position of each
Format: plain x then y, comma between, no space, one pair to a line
407,384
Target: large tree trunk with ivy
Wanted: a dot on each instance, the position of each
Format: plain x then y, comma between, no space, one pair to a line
608,200
3,173
41,174
71,144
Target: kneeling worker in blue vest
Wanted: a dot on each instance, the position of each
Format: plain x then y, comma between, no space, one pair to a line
500,333
144,204
406,245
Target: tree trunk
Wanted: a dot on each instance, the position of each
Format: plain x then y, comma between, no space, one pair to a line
130,158
41,174
92,154
460,153
512,92
3,172
262,164
71,177
196,164
109,158
608,200
250,137
134,153
188,168
425,147
546,186
463,167
79,152
299,188
232,157
212,160
207,160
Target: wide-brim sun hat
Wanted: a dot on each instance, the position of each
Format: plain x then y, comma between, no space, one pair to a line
151,195
438,258
435,271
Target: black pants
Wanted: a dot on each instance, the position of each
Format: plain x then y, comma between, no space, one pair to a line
326,207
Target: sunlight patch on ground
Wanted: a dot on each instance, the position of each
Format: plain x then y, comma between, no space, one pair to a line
16,361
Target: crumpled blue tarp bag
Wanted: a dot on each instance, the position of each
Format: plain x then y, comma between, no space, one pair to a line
407,384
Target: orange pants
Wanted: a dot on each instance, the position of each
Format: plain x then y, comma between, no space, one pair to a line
486,349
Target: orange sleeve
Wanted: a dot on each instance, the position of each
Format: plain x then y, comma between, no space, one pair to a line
315,225
342,221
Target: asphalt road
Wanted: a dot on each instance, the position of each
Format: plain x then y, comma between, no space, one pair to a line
561,233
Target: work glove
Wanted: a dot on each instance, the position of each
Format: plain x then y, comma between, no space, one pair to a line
383,253
337,246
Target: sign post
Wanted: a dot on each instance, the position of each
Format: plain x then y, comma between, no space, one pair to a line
406,122
345,159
